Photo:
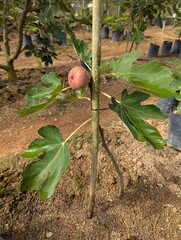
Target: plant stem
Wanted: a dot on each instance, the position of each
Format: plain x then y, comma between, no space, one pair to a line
22,22
131,47
108,96
129,25
66,140
10,57
86,98
96,58
65,89
105,94
5,30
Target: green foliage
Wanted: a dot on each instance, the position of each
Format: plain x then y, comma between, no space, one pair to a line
178,33
137,36
151,77
14,9
53,159
174,62
55,30
154,78
51,9
72,96
152,9
63,10
43,51
132,113
122,66
81,48
176,68
116,22
41,96
84,16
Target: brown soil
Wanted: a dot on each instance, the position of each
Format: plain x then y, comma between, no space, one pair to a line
150,207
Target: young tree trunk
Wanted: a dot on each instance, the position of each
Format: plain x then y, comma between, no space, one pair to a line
12,76
96,57
9,66
10,70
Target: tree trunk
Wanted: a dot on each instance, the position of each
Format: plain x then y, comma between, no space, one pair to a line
12,76
9,67
96,57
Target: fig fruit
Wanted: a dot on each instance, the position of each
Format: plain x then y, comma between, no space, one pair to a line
78,77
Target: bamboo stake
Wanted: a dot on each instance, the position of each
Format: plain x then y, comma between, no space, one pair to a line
96,57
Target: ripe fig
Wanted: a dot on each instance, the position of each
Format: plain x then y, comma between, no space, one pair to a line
78,77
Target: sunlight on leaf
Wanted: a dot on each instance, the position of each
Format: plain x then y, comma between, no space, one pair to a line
122,66
53,159
151,77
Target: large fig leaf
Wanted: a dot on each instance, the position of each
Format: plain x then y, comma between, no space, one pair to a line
132,113
151,77
122,66
41,96
154,78
53,159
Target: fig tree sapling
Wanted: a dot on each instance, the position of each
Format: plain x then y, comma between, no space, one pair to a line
78,78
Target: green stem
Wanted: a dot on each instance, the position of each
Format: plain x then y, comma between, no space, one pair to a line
105,94
87,65
86,98
108,96
5,31
130,23
65,89
66,140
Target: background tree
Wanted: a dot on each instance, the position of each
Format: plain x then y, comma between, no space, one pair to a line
13,16
28,16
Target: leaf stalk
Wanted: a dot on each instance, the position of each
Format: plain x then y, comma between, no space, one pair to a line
66,140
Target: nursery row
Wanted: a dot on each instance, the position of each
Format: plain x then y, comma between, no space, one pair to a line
167,48
35,39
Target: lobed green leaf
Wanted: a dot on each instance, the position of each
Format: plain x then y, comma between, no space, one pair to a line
132,113
41,96
151,77
53,159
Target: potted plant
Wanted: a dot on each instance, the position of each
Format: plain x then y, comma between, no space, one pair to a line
172,107
27,41
105,28
116,23
167,105
174,130
166,48
153,50
174,124
105,32
177,43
